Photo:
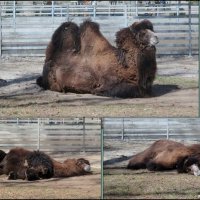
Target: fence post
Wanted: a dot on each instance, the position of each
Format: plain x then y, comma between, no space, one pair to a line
177,8
136,8
126,16
67,12
0,33
38,144
94,10
190,29
122,128
167,129
157,10
102,154
14,14
199,50
84,134
52,11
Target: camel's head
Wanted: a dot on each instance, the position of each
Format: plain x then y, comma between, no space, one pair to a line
192,165
144,33
83,164
67,36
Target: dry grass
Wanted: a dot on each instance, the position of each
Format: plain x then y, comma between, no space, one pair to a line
141,184
181,82
175,87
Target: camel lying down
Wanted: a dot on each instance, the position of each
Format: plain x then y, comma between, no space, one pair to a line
168,155
20,163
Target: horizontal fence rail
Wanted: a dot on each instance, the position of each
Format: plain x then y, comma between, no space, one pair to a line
52,135
26,30
151,129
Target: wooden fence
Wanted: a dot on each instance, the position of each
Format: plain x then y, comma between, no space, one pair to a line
26,31
147,129
52,135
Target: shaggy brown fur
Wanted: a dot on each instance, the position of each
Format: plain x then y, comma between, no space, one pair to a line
14,160
94,66
20,163
166,155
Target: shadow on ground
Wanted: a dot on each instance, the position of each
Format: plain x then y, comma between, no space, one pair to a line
26,85
159,90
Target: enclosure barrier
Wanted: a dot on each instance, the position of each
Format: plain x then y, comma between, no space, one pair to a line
151,129
26,30
52,135
84,134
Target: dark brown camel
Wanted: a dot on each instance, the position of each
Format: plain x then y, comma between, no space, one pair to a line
81,60
20,163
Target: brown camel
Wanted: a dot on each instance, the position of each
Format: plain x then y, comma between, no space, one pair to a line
20,163
168,155
81,60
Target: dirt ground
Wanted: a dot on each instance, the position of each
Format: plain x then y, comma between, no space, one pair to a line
81,187
175,93
122,183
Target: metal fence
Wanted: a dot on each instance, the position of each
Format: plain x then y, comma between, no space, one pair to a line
175,8
84,134
151,129
26,30
52,135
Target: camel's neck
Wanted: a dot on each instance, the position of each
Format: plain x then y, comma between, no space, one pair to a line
130,45
195,148
127,57
131,55
65,169
59,169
